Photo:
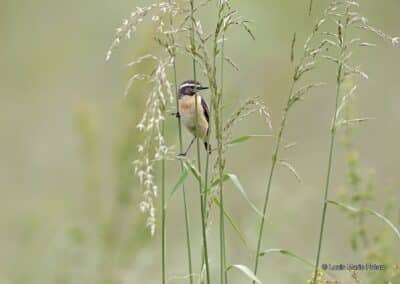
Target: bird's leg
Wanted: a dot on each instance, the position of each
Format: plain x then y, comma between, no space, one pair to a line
176,114
188,148
208,147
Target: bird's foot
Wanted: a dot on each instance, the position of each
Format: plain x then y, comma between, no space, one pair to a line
182,155
176,114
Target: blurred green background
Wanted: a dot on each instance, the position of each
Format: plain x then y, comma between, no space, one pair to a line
69,201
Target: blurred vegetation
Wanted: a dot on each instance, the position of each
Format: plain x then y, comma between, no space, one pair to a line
69,205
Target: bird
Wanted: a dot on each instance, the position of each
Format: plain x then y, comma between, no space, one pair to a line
187,112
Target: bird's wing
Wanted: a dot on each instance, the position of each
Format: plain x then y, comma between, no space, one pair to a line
205,109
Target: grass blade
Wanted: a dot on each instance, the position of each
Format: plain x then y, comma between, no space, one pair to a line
288,253
234,226
292,169
370,212
216,182
235,180
244,138
189,166
178,184
292,48
246,271
294,256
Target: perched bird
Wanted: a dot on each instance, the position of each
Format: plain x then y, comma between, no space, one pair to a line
187,112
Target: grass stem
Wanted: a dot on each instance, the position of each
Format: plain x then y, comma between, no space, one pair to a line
339,80
163,214
185,208
292,98
328,176
270,178
223,271
202,201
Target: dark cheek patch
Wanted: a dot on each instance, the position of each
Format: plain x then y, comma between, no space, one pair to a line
187,91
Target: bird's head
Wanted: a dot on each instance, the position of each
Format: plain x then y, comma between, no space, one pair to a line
190,88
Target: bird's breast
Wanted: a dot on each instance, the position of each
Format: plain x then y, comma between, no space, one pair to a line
187,110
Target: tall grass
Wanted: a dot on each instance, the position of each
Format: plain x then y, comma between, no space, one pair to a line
200,182
163,215
345,15
160,97
172,50
223,272
179,31
226,18
304,65
359,192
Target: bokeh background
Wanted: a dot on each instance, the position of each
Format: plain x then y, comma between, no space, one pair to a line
69,201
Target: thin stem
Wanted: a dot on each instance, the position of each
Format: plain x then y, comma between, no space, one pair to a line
271,174
185,209
196,96
202,201
163,213
310,7
206,173
339,80
328,176
224,278
290,101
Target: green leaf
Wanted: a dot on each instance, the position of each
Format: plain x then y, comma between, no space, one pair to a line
239,187
246,271
288,253
244,138
291,168
234,226
188,165
216,182
294,256
179,183
248,30
353,121
369,211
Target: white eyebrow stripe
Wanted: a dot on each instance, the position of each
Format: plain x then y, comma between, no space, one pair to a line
190,85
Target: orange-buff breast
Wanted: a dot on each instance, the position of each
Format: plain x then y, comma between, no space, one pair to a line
187,110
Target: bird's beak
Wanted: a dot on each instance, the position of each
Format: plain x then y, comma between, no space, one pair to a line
202,88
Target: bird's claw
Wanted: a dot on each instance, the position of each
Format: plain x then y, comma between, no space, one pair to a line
176,114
